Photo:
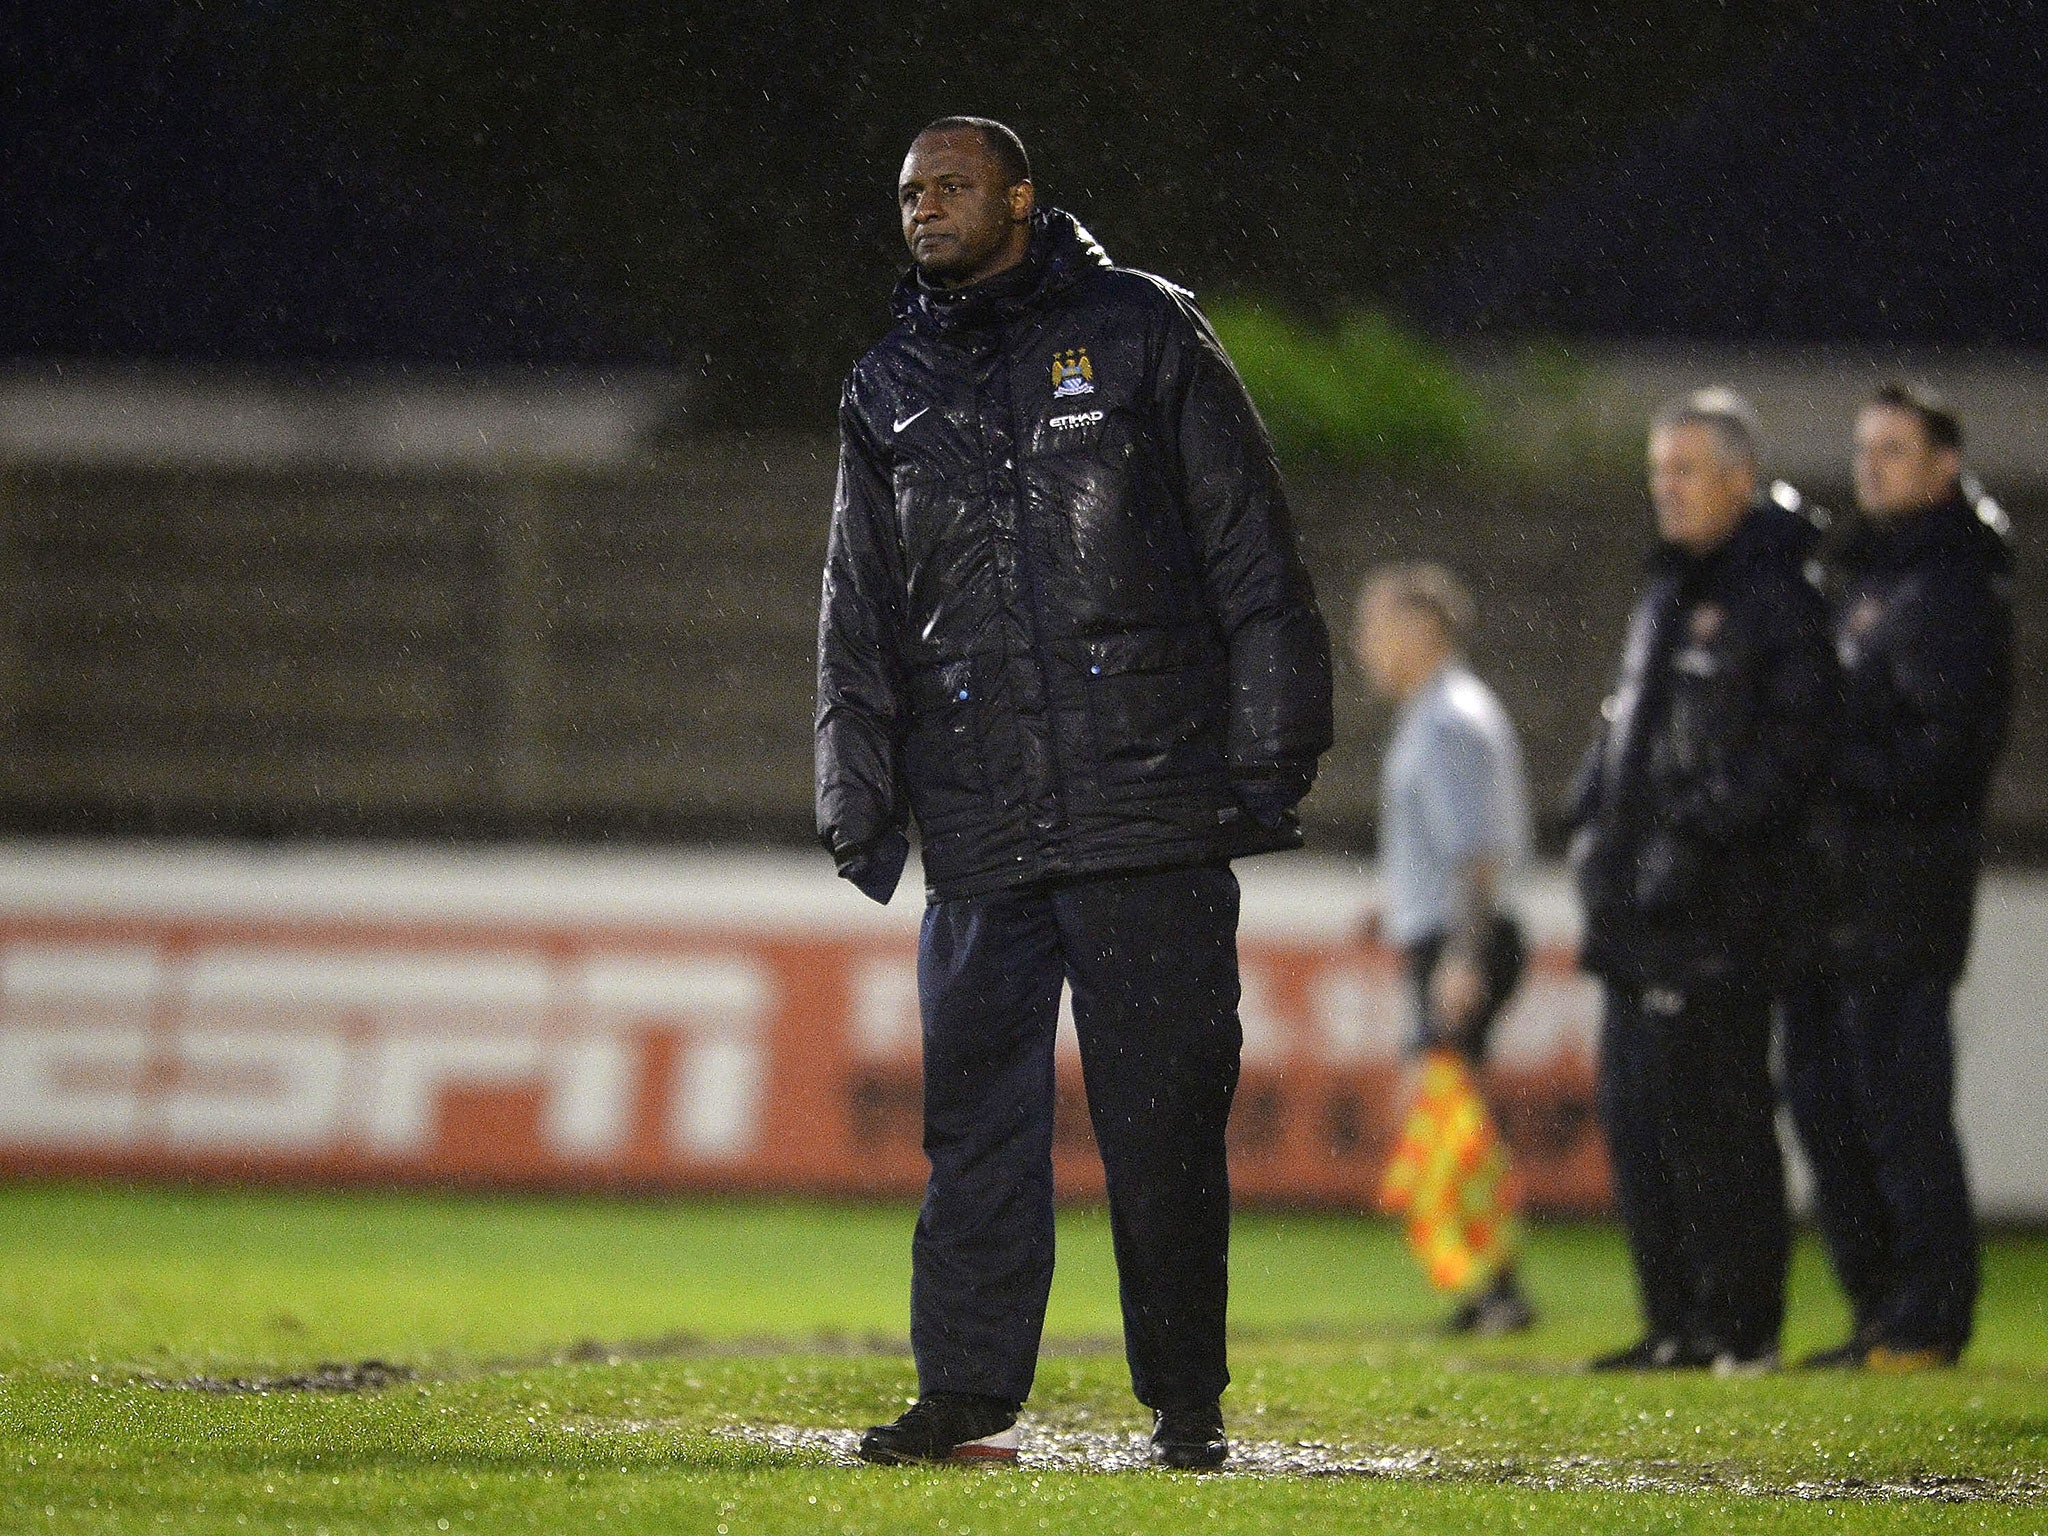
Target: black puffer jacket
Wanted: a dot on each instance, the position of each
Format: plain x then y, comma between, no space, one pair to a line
1064,623
1923,625
1692,806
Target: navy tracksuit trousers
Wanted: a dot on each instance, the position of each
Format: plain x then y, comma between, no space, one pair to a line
1686,1102
1870,1076
1152,961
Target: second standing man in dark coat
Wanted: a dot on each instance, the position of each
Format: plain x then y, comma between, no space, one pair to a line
1923,625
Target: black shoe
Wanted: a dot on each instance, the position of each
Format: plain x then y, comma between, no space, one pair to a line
1852,1354
1189,1439
1849,1355
1657,1352
946,1426
1500,1309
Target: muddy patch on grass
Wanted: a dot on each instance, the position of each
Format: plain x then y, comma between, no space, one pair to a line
376,1375
1051,1448
364,1376
692,1346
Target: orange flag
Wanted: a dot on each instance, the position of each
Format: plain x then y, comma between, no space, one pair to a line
1449,1177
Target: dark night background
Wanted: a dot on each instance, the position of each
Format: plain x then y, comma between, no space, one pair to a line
328,216
707,188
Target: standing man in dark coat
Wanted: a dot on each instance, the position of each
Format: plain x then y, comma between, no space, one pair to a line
1923,627
1688,815
1066,628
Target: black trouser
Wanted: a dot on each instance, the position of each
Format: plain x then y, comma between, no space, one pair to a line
1686,1102
1500,969
1152,960
1870,1076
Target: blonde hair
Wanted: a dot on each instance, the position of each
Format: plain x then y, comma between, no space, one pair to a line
1424,587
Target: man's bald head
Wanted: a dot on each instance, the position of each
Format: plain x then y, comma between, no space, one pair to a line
966,200
999,139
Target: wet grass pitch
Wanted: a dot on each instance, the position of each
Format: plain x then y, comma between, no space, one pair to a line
233,1361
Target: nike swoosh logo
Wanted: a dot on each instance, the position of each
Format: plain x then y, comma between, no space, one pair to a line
905,421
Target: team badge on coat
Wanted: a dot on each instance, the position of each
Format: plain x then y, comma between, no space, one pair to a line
1072,374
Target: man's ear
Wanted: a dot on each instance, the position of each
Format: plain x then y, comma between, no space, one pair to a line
1023,198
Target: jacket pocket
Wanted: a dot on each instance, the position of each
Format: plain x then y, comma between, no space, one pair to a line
1155,706
943,757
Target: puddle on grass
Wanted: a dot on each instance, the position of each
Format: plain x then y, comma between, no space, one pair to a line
1049,1448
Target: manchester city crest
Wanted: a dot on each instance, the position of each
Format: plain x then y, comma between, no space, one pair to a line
1072,374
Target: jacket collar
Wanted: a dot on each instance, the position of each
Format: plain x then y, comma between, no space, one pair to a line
1948,530
1060,253
1768,534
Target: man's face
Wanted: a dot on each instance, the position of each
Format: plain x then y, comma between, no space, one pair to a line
1897,471
961,222
1698,492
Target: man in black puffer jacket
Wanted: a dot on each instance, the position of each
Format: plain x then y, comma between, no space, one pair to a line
1689,815
1923,624
1066,628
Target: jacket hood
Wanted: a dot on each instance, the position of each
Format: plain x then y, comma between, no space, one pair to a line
1060,253
1951,530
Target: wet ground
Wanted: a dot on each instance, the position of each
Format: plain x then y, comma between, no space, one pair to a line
1069,1446
1053,1449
